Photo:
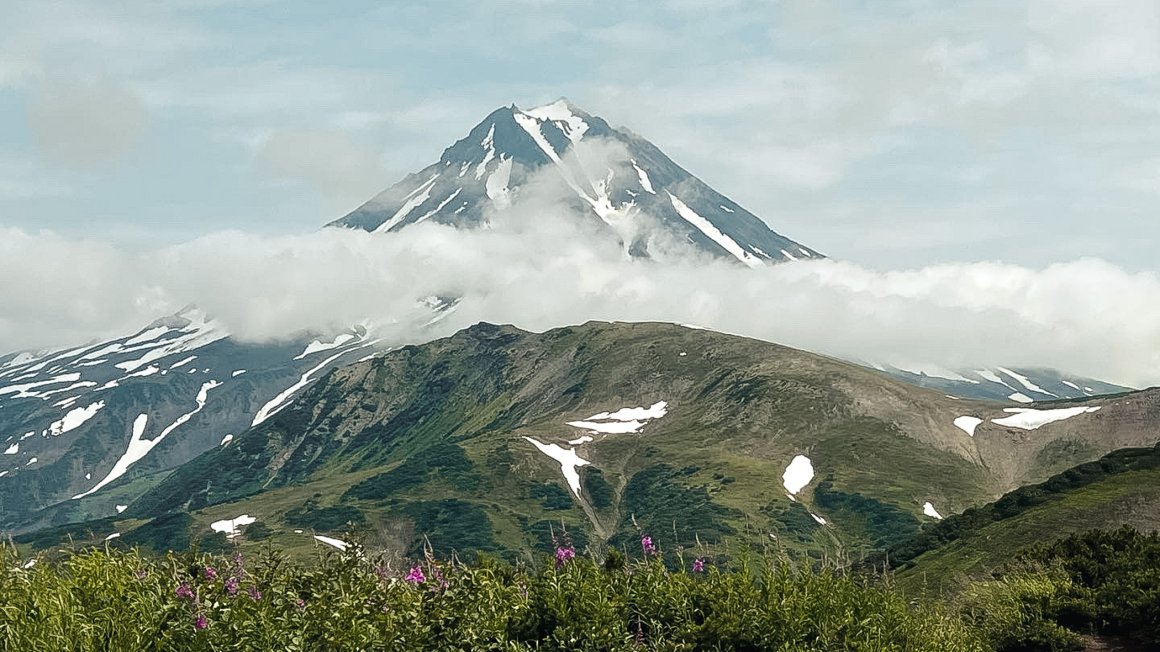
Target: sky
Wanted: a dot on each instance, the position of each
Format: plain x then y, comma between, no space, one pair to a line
1005,148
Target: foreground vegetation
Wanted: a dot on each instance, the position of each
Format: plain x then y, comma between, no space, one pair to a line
105,599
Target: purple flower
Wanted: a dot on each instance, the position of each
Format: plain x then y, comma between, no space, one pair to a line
564,554
301,604
698,565
232,586
184,592
415,576
209,573
254,593
646,544
200,622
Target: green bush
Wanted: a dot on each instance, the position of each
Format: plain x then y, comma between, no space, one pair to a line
352,601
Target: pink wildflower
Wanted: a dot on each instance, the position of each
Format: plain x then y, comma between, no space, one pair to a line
415,576
564,554
184,592
646,544
698,565
200,622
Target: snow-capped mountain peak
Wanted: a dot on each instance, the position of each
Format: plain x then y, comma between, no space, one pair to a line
628,183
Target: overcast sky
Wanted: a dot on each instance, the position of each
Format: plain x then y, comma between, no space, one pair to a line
890,134
986,174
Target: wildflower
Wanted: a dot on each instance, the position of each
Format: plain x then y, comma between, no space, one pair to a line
200,622
254,593
140,573
437,575
564,554
415,576
646,544
209,573
184,592
232,586
698,565
301,604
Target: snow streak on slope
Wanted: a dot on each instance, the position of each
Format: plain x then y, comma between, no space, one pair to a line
713,233
75,419
1030,419
568,459
624,420
139,447
282,400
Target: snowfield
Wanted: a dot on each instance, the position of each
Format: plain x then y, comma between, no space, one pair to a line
798,474
1030,419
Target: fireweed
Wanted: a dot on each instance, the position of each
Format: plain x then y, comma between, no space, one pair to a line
100,599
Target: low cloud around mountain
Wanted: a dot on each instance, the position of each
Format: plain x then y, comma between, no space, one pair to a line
1086,316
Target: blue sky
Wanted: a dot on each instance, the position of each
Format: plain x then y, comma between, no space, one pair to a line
892,134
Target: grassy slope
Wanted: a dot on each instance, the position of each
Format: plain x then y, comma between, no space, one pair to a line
740,409
1121,489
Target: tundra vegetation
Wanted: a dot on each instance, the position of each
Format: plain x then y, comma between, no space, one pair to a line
640,597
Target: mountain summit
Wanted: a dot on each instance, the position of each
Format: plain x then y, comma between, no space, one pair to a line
484,173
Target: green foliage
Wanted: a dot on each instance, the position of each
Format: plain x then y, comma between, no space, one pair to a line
599,491
553,496
550,534
884,523
1018,613
1117,580
450,525
659,502
326,519
1024,499
109,600
444,457
793,520
166,532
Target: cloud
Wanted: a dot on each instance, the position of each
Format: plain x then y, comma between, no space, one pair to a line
86,124
542,266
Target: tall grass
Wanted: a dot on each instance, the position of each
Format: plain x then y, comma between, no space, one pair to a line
112,600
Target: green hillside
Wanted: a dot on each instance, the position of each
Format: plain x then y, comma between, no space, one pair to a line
441,443
1121,489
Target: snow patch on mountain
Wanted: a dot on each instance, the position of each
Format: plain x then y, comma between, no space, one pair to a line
929,510
968,424
1030,419
568,459
75,419
798,474
232,526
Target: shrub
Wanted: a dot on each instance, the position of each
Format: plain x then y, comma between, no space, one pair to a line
100,599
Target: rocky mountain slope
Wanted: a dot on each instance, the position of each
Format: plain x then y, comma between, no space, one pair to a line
86,430
1018,385
496,438
616,177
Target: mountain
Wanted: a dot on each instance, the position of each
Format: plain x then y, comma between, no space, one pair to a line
1119,489
494,438
1019,385
638,192
90,428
